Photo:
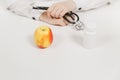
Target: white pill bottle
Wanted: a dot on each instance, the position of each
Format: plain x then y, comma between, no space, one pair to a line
89,36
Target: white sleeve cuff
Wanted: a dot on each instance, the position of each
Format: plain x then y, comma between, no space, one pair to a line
81,3
90,4
35,14
24,8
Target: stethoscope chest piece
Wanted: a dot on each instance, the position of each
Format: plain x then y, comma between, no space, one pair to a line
79,26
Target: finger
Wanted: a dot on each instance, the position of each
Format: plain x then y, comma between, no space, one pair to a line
50,9
48,14
60,22
53,13
65,22
63,13
58,12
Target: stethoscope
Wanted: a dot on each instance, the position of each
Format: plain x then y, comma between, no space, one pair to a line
69,14
70,17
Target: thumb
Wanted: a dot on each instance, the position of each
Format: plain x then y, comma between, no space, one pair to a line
59,22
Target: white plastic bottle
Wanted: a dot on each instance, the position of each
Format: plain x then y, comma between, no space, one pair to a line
89,36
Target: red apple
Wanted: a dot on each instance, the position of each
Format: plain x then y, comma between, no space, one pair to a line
43,37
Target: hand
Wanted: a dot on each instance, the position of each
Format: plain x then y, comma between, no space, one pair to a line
54,21
60,9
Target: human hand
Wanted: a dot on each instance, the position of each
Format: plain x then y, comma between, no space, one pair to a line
60,9
54,21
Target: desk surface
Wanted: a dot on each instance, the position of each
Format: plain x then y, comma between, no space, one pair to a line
66,58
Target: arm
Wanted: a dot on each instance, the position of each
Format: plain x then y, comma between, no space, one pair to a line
24,8
59,9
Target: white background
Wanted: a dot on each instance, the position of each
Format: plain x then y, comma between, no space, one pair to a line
66,58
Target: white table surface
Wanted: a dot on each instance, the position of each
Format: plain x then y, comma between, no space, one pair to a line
66,58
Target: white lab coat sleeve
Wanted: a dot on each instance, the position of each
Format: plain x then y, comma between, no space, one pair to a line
24,8
83,5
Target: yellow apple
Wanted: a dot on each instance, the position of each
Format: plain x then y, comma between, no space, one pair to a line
43,36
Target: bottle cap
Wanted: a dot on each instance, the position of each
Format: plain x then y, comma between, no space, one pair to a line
91,27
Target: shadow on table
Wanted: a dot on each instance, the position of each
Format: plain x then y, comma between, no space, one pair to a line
105,40
101,40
